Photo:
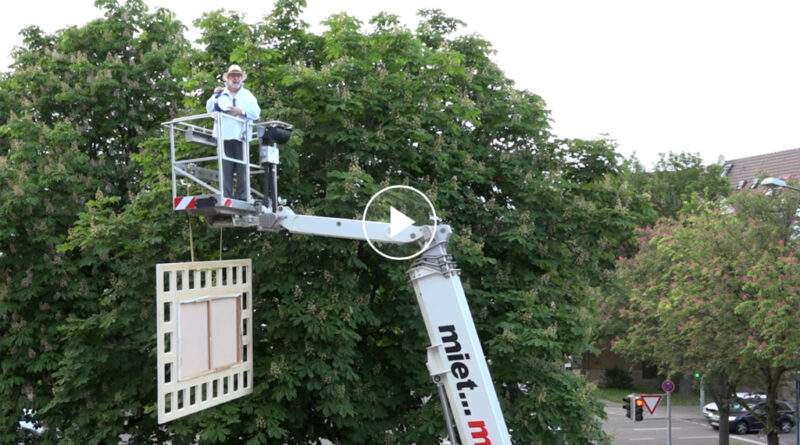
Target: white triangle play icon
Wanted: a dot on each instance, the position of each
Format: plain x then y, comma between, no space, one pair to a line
398,222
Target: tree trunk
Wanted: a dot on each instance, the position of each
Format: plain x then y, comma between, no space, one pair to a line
685,385
773,379
724,410
721,389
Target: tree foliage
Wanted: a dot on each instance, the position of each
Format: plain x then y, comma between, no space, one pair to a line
75,109
677,181
716,291
679,185
340,350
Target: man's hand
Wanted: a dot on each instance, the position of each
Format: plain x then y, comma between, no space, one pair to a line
236,111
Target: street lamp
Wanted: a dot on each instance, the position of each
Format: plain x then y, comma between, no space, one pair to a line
775,183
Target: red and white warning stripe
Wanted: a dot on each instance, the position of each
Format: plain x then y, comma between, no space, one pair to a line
184,202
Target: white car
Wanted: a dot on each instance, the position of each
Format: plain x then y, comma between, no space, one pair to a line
27,429
711,408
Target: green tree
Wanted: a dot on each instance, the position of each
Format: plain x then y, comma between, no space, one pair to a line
679,184
341,343
713,291
73,110
677,180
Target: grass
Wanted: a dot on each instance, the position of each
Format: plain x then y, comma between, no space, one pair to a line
616,394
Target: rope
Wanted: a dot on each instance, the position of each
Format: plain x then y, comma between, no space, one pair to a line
191,240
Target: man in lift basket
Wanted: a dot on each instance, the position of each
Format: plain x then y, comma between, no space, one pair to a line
235,100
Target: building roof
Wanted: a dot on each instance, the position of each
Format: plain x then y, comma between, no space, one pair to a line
781,164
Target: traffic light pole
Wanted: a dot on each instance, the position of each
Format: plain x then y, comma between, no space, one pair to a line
703,394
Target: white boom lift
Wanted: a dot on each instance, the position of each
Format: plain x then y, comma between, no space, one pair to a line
455,359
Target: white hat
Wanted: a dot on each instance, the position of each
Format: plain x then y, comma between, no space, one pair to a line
234,69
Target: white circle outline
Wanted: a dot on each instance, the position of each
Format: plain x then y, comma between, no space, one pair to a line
364,222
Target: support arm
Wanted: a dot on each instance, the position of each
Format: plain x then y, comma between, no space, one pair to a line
455,357
456,361
286,219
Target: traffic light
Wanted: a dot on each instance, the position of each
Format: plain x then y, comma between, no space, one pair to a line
639,409
697,375
626,405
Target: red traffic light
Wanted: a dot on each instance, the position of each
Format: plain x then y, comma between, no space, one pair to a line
639,402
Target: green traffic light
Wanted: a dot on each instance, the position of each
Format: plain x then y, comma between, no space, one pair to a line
697,375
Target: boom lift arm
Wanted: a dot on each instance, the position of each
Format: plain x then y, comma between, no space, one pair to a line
455,359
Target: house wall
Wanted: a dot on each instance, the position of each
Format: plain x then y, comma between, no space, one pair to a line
593,368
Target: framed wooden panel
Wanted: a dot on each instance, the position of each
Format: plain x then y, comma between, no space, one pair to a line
225,335
205,352
193,339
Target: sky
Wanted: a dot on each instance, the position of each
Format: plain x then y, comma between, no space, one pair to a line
711,77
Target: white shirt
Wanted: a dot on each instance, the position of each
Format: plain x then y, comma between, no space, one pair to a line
234,128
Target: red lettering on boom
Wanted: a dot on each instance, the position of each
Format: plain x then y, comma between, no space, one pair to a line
481,433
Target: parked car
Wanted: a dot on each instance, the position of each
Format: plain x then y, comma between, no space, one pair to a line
750,397
27,430
742,421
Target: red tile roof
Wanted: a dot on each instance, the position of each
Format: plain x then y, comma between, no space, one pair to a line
782,164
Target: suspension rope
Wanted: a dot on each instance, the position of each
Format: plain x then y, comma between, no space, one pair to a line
191,239
220,243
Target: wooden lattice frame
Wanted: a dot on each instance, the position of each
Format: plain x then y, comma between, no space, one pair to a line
188,283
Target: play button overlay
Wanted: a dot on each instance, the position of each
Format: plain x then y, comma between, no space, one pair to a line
398,222
402,211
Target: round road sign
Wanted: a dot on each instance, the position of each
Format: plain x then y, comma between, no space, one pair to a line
668,386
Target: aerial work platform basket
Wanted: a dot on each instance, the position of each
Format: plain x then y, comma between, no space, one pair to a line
197,165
